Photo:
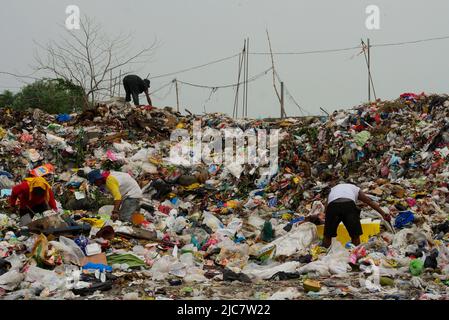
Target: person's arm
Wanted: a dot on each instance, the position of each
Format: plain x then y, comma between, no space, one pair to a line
148,98
51,201
14,195
114,188
365,199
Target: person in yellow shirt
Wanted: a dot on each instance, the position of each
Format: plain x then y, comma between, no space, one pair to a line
124,189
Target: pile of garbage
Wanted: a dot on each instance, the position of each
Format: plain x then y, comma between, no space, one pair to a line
207,233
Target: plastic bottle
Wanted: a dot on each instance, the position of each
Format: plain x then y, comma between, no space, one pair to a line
267,232
416,267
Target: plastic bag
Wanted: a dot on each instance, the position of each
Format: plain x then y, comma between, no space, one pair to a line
297,240
124,146
179,224
105,210
335,262
40,249
71,251
45,278
286,294
212,221
232,255
404,219
362,138
6,183
161,268
56,141
317,208
255,271
142,155
256,221
195,275
11,279
231,229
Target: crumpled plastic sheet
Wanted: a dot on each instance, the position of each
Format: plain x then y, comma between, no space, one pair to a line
298,240
335,262
255,271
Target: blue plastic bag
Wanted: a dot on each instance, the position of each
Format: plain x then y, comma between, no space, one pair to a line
63,117
404,219
97,266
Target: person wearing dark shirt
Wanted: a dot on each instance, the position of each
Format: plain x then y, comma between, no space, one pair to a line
134,86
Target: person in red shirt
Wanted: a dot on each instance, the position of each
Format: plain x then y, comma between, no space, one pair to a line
34,195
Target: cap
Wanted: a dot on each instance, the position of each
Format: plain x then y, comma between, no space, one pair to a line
94,175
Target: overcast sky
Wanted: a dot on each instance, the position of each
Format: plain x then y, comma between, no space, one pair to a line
192,32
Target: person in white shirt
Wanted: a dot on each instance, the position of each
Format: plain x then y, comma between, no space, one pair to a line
341,207
125,190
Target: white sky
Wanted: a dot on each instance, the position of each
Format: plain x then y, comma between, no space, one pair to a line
192,32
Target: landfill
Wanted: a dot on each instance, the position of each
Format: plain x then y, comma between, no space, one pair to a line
205,233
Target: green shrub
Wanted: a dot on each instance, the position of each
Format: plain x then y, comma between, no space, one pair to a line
52,96
6,99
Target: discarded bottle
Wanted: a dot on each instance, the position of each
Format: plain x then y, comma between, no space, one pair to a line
431,260
416,267
267,232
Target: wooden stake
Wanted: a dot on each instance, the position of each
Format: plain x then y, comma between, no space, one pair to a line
177,95
120,82
282,100
247,77
244,78
236,101
369,73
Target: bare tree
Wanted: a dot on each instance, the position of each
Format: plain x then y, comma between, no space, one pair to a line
90,59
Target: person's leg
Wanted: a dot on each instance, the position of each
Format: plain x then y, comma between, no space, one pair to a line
26,216
352,223
40,208
331,222
136,98
355,241
129,206
127,91
327,241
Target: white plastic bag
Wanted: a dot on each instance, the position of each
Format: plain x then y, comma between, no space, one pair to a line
11,279
255,271
124,146
45,278
212,221
297,240
317,208
335,262
161,268
286,294
71,251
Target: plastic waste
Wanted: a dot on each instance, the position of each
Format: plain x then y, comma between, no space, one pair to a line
404,219
286,294
416,267
11,280
335,262
212,221
298,240
267,232
45,278
70,250
261,272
